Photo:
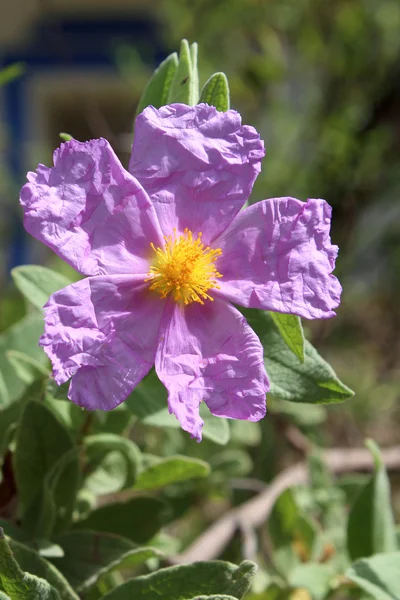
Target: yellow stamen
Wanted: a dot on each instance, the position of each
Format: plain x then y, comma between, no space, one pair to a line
184,268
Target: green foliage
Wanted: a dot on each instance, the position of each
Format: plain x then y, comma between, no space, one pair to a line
378,576
113,463
371,527
46,471
8,74
290,328
29,560
314,577
66,137
185,83
311,381
149,403
37,283
73,483
138,519
185,581
216,92
157,89
19,585
90,555
171,470
292,534
21,337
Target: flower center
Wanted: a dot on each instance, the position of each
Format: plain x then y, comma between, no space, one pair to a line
184,268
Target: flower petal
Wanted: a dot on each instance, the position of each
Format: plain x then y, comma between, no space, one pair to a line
198,165
90,211
277,255
209,352
102,331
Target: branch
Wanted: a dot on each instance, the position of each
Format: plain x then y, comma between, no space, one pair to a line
256,511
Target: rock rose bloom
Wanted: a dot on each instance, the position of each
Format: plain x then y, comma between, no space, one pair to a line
168,252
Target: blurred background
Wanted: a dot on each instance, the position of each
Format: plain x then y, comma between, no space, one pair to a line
321,83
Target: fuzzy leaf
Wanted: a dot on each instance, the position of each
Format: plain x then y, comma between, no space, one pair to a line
378,576
291,330
19,585
216,92
187,581
157,89
114,462
42,442
37,283
171,470
66,137
138,519
90,555
184,86
371,527
22,337
292,534
315,578
33,563
26,368
312,381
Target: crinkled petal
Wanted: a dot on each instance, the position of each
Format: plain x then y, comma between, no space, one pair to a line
198,165
277,255
102,332
209,352
91,211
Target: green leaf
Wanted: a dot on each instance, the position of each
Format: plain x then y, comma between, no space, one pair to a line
184,86
215,428
11,413
292,534
216,92
37,283
11,72
19,585
33,563
149,403
8,417
378,576
157,89
27,369
89,555
12,531
291,330
44,449
114,462
231,462
320,475
245,433
4,395
315,578
312,381
138,519
171,470
66,137
219,597
22,337
187,581
195,72
371,527
303,415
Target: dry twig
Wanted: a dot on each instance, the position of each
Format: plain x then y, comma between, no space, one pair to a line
256,511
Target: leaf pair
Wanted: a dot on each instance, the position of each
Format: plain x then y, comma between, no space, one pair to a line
177,80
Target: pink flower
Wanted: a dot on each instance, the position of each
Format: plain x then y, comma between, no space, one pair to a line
167,248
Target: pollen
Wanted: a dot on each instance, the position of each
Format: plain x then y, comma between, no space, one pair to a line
184,268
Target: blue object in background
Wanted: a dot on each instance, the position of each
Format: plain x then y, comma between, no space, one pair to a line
63,45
